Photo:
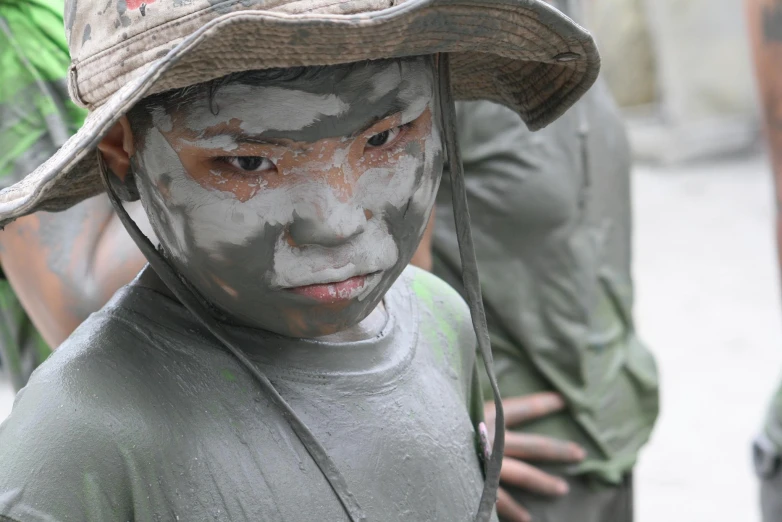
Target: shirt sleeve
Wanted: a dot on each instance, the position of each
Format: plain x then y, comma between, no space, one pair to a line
59,460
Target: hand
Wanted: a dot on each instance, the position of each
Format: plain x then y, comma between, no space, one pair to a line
518,446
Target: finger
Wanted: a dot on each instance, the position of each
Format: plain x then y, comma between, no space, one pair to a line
509,509
522,475
528,407
537,447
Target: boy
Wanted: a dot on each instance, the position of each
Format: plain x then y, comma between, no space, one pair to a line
272,364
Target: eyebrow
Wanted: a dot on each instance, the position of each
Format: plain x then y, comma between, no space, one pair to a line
242,137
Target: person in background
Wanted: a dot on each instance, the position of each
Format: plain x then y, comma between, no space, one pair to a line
37,254
765,27
37,117
551,218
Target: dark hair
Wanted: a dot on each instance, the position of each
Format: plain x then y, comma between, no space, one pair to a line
140,115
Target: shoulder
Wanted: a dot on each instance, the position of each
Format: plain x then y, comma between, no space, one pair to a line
92,372
63,429
444,318
486,127
491,115
118,359
101,400
51,439
434,294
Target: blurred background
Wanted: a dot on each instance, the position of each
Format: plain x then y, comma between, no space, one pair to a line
682,71
705,265
705,260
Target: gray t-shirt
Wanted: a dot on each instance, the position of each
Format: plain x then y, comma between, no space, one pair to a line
140,415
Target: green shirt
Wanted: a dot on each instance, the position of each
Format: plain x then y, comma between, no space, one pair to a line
551,223
142,415
36,118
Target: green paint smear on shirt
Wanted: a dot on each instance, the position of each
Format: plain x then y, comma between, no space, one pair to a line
440,333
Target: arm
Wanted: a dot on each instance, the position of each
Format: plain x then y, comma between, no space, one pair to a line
64,266
765,27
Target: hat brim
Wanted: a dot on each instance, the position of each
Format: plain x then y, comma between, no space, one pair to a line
521,53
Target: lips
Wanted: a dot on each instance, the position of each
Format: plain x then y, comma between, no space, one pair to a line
337,291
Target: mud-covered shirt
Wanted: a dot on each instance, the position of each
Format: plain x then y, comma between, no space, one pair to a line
551,223
141,415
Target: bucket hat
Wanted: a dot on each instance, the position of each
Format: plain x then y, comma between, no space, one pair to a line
522,53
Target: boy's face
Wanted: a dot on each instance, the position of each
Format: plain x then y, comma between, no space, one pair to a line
293,206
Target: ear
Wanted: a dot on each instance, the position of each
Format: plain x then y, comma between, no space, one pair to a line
117,148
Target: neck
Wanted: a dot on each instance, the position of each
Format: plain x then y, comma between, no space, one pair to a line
369,327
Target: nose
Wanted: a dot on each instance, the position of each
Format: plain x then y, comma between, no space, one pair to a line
334,231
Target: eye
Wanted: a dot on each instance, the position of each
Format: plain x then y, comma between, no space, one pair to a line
250,163
384,138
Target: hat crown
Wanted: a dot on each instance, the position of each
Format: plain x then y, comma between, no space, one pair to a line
93,26
111,40
522,53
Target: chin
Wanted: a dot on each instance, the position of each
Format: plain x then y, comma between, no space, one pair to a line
312,320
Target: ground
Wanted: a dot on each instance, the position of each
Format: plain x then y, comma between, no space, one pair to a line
708,305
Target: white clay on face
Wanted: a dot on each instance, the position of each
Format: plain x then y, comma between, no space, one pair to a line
372,250
225,143
280,111
385,82
162,120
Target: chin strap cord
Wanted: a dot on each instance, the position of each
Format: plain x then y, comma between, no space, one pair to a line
193,303
472,285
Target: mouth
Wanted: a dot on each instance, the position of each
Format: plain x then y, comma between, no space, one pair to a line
337,291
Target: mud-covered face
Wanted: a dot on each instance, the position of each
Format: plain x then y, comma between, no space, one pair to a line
293,206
